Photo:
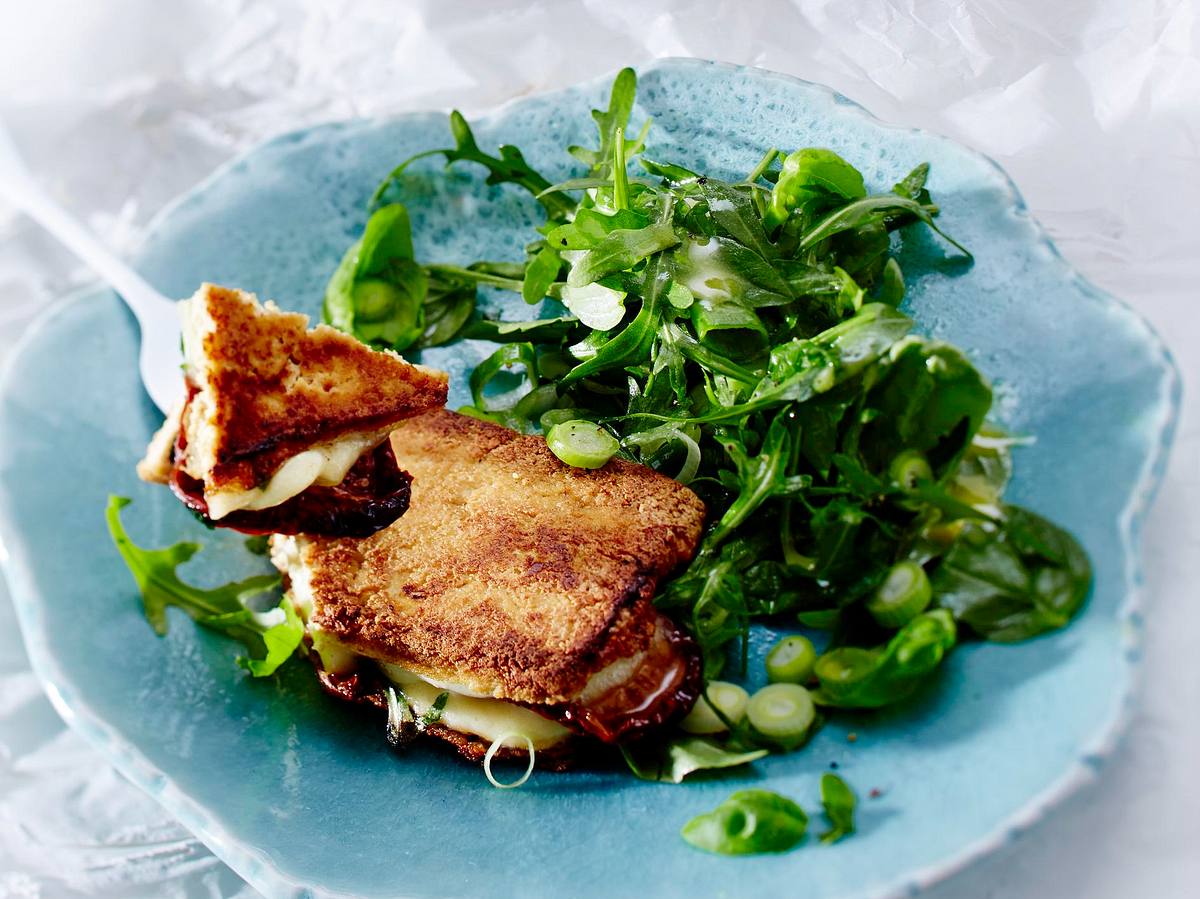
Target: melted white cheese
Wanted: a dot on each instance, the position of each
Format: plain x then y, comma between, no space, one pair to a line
324,465
488,719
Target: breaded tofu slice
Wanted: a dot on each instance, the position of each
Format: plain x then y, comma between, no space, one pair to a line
512,577
274,408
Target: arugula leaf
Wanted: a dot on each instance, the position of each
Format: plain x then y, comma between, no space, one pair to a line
748,822
509,167
619,250
540,274
609,122
271,636
838,801
542,330
1013,581
672,761
874,209
869,678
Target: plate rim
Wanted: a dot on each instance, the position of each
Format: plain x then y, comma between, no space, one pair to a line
255,865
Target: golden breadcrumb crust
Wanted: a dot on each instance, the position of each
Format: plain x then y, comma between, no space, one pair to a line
278,387
511,573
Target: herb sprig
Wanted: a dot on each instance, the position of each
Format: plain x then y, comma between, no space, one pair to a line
270,636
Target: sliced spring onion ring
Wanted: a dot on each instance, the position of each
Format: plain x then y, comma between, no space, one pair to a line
651,440
909,469
791,660
487,761
782,713
581,444
728,699
904,594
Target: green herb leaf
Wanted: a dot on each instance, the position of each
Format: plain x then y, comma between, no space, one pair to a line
259,545
748,822
540,274
542,330
1014,580
271,636
873,209
620,250
378,292
806,176
674,760
838,801
869,678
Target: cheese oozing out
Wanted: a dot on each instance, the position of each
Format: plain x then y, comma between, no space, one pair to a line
466,711
325,464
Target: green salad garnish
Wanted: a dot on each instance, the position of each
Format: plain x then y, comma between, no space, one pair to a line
743,335
271,636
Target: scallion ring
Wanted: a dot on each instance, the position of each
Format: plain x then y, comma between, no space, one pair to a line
728,699
487,761
909,469
781,713
791,660
904,594
374,299
581,444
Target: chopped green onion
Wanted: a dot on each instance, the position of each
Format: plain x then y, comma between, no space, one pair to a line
553,417
909,469
844,665
730,701
374,299
582,444
487,762
782,714
791,660
904,594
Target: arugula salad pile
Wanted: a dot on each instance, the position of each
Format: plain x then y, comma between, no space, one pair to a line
744,337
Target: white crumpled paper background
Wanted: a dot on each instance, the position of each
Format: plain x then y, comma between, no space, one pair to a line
1093,106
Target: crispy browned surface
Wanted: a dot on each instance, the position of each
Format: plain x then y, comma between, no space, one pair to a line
511,573
279,388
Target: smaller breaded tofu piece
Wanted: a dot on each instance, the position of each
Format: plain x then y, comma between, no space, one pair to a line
513,578
274,408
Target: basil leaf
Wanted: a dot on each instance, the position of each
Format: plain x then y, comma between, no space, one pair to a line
748,822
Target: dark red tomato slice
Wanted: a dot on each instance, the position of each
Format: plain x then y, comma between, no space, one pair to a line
374,493
664,687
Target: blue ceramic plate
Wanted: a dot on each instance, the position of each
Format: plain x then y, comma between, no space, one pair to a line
301,796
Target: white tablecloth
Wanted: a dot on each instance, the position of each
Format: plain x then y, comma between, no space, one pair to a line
1092,105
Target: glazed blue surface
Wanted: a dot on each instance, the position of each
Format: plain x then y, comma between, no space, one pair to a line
300,794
